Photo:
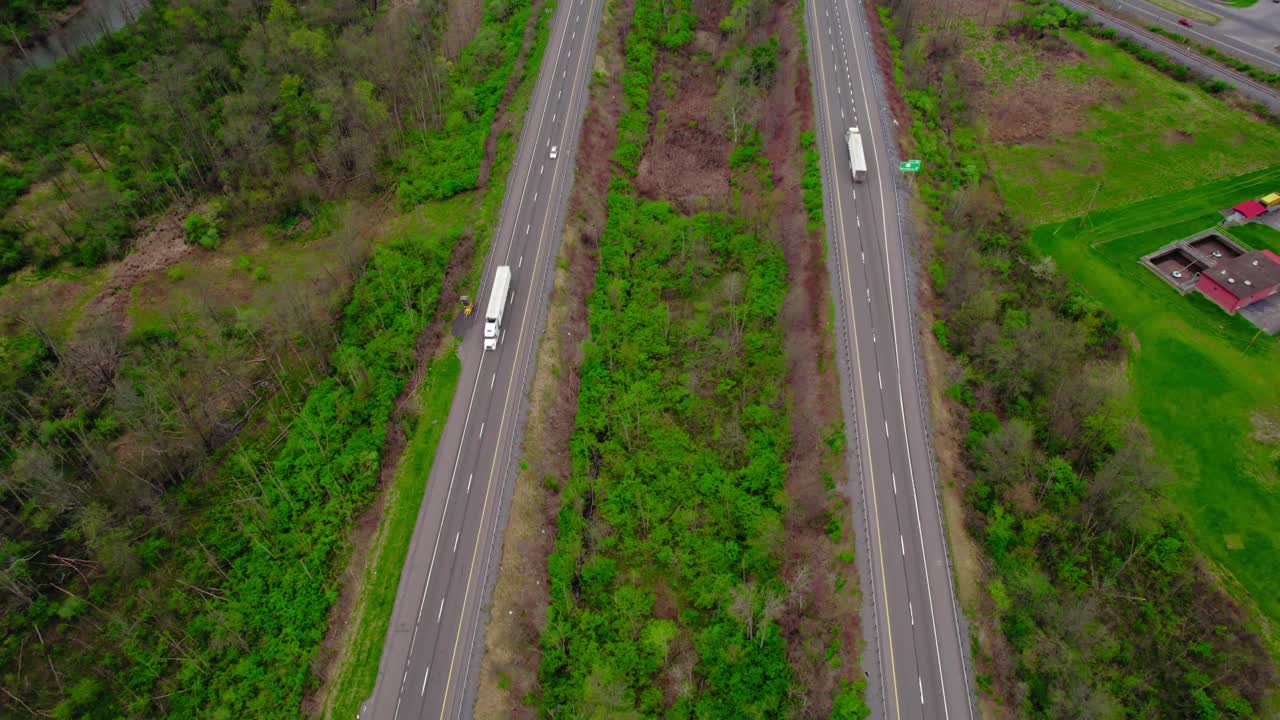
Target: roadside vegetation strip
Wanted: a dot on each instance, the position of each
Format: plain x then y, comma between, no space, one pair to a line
1209,51
272,552
359,670
1064,490
357,674
812,183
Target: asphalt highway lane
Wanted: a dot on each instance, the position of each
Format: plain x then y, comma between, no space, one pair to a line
434,640
916,657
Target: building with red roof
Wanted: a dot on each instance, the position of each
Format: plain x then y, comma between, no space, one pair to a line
1250,209
1242,281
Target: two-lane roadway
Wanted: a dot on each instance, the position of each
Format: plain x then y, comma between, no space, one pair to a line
917,655
432,645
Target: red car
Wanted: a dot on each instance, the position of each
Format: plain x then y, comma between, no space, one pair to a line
1184,22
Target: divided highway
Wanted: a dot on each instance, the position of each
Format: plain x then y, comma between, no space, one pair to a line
434,641
916,656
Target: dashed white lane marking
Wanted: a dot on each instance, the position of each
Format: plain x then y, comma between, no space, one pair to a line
921,682
912,612
455,540
879,380
864,256
481,430
526,228
521,263
440,611
469,482
857,220
493,380
535,197
894,478
886,428
542,169
423,691
559,93
901,542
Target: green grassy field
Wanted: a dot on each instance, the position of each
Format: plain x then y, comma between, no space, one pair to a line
1257,236
1148,135
1200,377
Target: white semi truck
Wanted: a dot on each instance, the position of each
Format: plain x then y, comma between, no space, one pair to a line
497,305
857,158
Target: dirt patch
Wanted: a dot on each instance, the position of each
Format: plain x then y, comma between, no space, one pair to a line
1039,110
1178,136
512,654
461,25
994,656
686,162
428,347
159,245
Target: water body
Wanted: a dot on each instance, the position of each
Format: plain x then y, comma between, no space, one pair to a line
98,18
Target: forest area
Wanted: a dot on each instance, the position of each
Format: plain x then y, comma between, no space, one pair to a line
693,574
1094,602
23,19
177,493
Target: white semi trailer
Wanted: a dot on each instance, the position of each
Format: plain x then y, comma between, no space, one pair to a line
857,158
497,304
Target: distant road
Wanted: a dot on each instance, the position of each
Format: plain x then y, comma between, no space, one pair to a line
1264,94
1251,34
917,655
435,639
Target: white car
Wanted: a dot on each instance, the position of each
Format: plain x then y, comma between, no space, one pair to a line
554,148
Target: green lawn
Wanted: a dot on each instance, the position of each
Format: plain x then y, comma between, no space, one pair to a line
1258,236
1130,146
1199,376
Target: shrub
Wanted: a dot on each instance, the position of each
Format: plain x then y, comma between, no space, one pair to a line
202,231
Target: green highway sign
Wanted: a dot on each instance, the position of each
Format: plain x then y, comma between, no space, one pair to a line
909,166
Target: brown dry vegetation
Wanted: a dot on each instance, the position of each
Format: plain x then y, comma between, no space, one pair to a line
809,567
512,654
464,20
1038,110
685,162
